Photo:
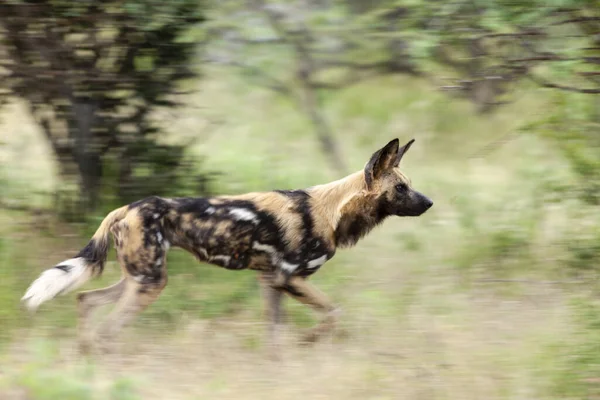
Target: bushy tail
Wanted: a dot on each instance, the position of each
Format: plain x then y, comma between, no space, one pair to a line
71,274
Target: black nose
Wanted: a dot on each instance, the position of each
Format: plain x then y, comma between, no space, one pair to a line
428,203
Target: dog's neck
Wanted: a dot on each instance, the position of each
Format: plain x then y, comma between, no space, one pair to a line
349,209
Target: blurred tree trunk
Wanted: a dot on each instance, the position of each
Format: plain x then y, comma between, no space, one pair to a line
85,152
311,103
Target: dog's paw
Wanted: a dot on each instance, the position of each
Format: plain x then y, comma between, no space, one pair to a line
309,338
104,344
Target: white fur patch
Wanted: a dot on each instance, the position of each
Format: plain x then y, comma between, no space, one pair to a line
203,252
286,266
225,259
210,210
243,215
264,247
55,281
317,262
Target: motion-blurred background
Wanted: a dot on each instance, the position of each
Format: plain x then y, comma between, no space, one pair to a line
492,294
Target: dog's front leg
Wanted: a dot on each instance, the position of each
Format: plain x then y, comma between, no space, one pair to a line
300,289
272,298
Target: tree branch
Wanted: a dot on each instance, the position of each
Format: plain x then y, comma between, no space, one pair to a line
269,81
576,20
547,84
306,68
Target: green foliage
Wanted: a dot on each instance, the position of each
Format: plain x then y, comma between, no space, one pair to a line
3,172
499,236
582,246
19,265
42,382
202,291
584,252
156,170
43,378
47,385
123,389
489,47
573,127
586,163
8,277
576,373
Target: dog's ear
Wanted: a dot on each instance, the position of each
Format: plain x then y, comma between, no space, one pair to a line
380,161
402,150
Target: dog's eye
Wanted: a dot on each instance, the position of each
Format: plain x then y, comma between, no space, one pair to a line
401,187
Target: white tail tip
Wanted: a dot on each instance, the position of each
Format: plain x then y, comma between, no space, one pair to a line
61,279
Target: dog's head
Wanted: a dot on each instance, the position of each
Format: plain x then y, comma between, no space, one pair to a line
392,188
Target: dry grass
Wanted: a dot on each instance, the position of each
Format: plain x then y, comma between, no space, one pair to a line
479,346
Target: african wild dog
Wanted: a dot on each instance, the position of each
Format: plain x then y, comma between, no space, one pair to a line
286,235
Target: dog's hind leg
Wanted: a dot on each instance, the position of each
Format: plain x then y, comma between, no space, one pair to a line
137,296
303,291
141,251
90,300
